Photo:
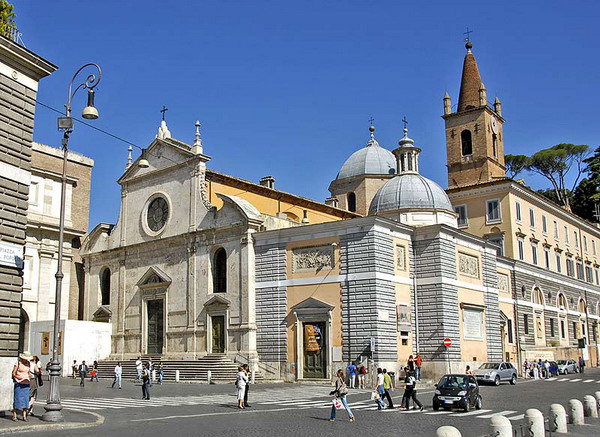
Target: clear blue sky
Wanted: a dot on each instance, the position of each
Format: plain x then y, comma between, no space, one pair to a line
287,88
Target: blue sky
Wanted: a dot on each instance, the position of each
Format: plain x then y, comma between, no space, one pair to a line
287,88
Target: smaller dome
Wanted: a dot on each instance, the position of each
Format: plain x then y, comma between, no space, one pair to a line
372,159
410,191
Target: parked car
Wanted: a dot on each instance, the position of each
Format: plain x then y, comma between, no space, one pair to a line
457,390
567,366
496,372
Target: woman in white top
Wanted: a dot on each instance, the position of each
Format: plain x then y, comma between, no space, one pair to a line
379,389
240,383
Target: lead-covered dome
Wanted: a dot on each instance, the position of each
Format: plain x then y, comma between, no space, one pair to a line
408,192
372,159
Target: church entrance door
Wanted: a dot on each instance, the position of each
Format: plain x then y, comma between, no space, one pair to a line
155,326
315,350
218,334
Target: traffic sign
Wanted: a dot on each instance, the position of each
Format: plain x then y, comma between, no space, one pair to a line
447,342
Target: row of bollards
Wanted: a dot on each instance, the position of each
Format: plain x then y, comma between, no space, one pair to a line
500,426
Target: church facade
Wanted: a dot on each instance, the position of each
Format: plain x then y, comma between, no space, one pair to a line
201,262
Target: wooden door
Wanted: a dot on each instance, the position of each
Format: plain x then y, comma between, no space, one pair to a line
218,334
315,350
155,326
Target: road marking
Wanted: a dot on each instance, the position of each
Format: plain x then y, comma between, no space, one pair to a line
470,413
434,413
588,380
551,379
575,380
501,413
563,379
189,416
519,417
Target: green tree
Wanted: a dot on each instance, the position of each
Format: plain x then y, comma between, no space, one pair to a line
587,193
7,19
515,164
555,163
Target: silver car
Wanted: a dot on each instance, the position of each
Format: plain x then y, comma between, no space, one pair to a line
494,373
567,366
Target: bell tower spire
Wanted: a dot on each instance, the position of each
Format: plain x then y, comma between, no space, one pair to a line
474,137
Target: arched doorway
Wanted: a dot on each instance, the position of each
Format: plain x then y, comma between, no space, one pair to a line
563,309
538,316
24,331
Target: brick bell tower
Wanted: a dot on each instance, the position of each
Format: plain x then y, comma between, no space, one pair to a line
474,138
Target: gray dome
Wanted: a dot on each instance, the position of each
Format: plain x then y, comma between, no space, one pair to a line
410,191
372,159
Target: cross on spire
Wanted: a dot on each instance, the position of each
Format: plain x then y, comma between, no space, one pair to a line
164,110
405,121
371,120
468,33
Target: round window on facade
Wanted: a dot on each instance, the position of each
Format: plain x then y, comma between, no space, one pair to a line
158,213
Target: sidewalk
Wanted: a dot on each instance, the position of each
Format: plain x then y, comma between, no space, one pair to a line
73,419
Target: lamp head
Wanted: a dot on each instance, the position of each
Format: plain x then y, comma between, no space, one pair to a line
90,112
143,163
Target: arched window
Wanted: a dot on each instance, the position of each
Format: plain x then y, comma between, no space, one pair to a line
538,297
466,142
351,202
581,306
562,302
105,286
220,271
495,145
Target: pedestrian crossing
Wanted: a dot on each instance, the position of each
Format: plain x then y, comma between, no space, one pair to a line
585,381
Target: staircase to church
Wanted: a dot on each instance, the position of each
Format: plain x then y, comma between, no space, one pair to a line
222,368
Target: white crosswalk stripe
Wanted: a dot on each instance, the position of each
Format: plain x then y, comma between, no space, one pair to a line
575,380
551,379
563,379
435,413
588,380
519,417
471,413
501,413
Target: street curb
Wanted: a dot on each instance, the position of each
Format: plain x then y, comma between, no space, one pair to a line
56,426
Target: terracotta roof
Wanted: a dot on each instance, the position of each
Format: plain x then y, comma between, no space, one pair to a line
469,84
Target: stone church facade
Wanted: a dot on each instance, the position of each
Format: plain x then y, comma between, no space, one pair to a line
201,262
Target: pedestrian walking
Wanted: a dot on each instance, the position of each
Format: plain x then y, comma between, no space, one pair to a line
94,371
362,372
139,367
74,368
35,382
536,371
410,391
411,363
247,388
118,375
468,371
150,369
581,364
240,384
339,394
161,373
418,364
379,389
352,374
526,369
21,375
83,371
387,388
146,382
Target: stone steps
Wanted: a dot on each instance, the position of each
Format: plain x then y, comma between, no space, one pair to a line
222,368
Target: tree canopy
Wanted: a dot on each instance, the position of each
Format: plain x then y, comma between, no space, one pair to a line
515,164
7,19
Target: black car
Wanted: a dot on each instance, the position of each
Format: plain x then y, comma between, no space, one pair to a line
456,390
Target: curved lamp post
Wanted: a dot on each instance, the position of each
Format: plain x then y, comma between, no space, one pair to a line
53,406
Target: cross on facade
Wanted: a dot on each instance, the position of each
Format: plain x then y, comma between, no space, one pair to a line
405,121
371,120
164,110
468,33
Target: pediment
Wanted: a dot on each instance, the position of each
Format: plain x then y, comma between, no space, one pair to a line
245,208
312,306
217,300
162,154
102,314
154,277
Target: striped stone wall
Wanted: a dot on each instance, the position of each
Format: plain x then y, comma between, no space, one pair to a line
492,309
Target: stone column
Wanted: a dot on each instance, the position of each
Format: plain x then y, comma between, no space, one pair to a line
191,311
46,285
247,292
123,215
119,326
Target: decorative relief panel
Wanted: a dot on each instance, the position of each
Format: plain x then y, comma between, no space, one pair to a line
312,258
503,282
401,258
468,265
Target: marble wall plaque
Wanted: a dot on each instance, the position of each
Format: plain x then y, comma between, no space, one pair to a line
312,258
472,324
503,282
401,258
468,265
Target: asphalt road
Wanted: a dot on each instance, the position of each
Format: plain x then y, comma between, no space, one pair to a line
298,409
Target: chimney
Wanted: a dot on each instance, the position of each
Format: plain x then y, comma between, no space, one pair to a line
305,217
268,181
332,201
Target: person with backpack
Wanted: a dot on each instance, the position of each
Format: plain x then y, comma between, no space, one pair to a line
146,382
339,394
83,370
410,390
362,372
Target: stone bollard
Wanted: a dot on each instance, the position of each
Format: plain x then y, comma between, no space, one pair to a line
590,406
500,426
575,412
447,431
534,420
557,419
597,394
177,376
209,376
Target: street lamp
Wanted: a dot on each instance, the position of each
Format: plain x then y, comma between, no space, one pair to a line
53,406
